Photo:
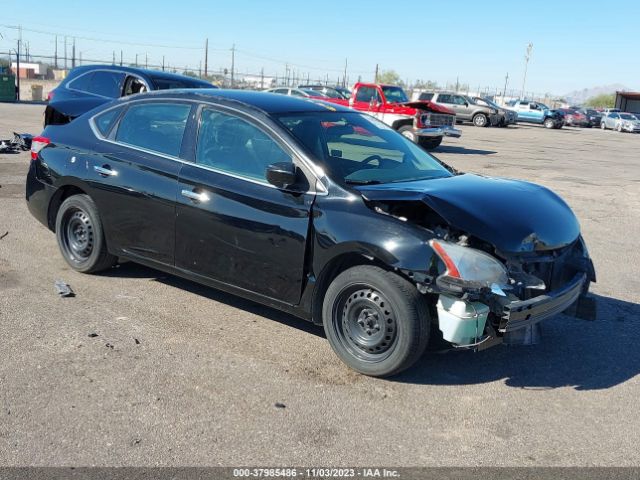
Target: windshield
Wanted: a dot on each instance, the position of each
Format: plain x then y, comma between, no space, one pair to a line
490,103
357,149
627,116
395,94
543,106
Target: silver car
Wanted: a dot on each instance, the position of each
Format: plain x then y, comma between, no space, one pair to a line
506,116
622,122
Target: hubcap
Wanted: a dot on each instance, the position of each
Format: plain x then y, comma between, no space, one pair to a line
365,323
78,235
409,135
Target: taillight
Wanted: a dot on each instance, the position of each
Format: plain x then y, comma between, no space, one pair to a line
50,96
37,144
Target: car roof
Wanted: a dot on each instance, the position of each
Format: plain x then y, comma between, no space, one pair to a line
270,103
156,74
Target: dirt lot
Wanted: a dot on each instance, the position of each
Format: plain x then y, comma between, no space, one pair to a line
200,387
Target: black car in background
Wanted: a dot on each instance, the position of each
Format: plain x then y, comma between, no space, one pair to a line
594,116
89,86
312,208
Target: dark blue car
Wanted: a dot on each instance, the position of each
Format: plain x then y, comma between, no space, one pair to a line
89,86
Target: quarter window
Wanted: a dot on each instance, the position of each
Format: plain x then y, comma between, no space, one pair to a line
233,145
156,127
105,121
82,82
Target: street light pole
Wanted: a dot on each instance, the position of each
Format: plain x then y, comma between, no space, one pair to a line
527,56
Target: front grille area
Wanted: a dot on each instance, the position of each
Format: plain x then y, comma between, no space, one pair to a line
438,120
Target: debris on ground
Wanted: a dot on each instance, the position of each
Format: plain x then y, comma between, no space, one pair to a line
137,341
109,345
280,405
4,235
63,288
92,335
21,142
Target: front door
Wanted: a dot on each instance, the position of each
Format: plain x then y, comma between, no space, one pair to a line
232,225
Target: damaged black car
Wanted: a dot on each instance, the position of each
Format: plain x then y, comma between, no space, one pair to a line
315,209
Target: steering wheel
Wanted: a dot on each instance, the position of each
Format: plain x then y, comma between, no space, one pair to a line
371,158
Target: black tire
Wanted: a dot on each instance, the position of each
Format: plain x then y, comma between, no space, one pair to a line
480,120
549,123
80,235
429,143
407,132
376,321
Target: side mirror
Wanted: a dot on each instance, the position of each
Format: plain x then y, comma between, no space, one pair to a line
282,174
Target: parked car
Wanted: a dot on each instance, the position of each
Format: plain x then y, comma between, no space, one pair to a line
505,117
298,92
536,112
424,123
314,209
89,86
607,111
595,117
622,122
466,109
574,118
331,92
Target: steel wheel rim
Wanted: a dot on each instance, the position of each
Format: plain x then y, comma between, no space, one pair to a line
77,235
365,323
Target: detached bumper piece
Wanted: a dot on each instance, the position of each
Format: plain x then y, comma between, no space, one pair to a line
438,132
520,314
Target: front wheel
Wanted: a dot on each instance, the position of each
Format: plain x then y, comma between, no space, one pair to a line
376,321
407,132
429,143
80,236
480,120
603,126
549,123
619,128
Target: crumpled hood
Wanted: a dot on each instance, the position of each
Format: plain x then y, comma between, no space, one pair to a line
429,106
512,215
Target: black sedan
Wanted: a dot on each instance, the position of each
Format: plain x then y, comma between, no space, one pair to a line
89,86
314,209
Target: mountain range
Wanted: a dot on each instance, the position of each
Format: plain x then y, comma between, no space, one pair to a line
580,96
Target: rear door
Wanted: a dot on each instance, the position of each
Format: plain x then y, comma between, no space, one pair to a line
135,177
231,224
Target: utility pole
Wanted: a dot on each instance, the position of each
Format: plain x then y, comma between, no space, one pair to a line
344,77
262,78
233,63
136,59
120,57
527,56
504,92
73,57
163,63
146,60
55,61
65,52
375,78
457,84
206,57
18,64
113,58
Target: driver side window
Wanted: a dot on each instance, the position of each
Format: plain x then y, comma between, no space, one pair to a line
233,145
366,94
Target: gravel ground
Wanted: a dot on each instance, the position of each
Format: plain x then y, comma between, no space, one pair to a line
143,368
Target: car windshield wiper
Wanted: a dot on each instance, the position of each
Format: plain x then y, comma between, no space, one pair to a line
362,182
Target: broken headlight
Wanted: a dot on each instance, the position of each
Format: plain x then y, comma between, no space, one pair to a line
468,268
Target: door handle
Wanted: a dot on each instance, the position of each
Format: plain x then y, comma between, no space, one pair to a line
106,170
198,197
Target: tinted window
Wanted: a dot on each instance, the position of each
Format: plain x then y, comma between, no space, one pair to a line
82,82
233,145
171,83
425,96
105,121
458,100
297,93
365,94
107,84
157,127
445,98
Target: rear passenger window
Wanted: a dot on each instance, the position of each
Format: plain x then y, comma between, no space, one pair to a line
105,121
82,82
426,96
158,127
107,84
445,98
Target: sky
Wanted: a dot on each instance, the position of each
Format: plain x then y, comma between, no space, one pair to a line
576,44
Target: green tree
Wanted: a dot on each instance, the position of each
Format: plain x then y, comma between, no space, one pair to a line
605,100
390,77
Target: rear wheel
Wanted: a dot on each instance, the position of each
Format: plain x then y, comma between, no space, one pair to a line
480,120
429,143
376,321
80,235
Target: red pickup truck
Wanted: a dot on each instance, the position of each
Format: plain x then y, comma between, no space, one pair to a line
422,122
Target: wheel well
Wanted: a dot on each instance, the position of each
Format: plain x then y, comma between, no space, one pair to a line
60,196
334,268
401,123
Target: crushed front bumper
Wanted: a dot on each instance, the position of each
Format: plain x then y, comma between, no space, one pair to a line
523,313
438,132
